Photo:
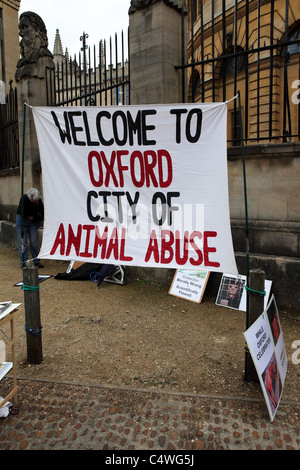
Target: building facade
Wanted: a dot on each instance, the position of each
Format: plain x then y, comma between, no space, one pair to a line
249,46
9,56
251,49
9,40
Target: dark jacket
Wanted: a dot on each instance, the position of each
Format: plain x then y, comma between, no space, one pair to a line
31,209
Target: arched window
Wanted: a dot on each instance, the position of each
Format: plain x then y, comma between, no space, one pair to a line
193,9
293,48
234,63
194,87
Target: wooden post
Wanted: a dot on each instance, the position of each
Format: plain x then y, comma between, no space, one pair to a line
256,307
32,314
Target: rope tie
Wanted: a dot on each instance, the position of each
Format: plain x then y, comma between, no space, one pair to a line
33,332
31,288
255,291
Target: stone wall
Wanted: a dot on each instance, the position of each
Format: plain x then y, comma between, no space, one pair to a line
30,77
155,47
273,171
273,200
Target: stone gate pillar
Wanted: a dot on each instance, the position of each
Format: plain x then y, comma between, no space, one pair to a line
31,86
155,35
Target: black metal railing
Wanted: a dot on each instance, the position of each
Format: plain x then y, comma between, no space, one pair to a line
9,132
98,78
237,48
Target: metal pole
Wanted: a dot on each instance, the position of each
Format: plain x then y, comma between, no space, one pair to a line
245,185
22,186
256,287
246,224
182,56
193,58
84,48
30,285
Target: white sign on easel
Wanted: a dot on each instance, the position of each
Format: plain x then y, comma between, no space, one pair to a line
266,345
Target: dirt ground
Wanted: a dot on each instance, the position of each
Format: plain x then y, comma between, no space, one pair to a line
137,335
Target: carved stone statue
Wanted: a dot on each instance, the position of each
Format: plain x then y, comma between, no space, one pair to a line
33,46
138,4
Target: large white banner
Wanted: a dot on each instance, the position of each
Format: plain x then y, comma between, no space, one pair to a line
137,185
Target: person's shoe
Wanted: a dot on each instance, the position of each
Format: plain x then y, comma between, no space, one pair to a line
39,265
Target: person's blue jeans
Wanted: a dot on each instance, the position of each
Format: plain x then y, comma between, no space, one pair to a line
31,232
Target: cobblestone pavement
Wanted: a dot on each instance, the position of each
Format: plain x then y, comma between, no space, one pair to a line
64,416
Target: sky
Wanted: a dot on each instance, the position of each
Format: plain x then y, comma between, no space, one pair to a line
100,19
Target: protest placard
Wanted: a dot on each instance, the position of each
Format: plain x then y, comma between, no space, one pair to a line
266,345
189,284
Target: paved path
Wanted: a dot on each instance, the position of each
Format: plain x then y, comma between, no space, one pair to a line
64,416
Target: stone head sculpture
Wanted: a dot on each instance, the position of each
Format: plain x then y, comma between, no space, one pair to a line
33,32
33,44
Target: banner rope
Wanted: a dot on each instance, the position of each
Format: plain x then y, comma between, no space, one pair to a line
231,99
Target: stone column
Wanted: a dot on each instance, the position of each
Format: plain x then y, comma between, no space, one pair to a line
155,35
31,86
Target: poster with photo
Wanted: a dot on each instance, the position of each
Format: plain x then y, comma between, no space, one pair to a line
232,292
189,284
266,345
273,316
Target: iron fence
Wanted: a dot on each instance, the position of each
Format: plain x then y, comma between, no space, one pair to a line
100,76
251,47
9,132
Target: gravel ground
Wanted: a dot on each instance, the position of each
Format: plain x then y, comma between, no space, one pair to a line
137,335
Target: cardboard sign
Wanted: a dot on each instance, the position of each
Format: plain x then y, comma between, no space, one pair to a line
137,185
266,346
189,284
